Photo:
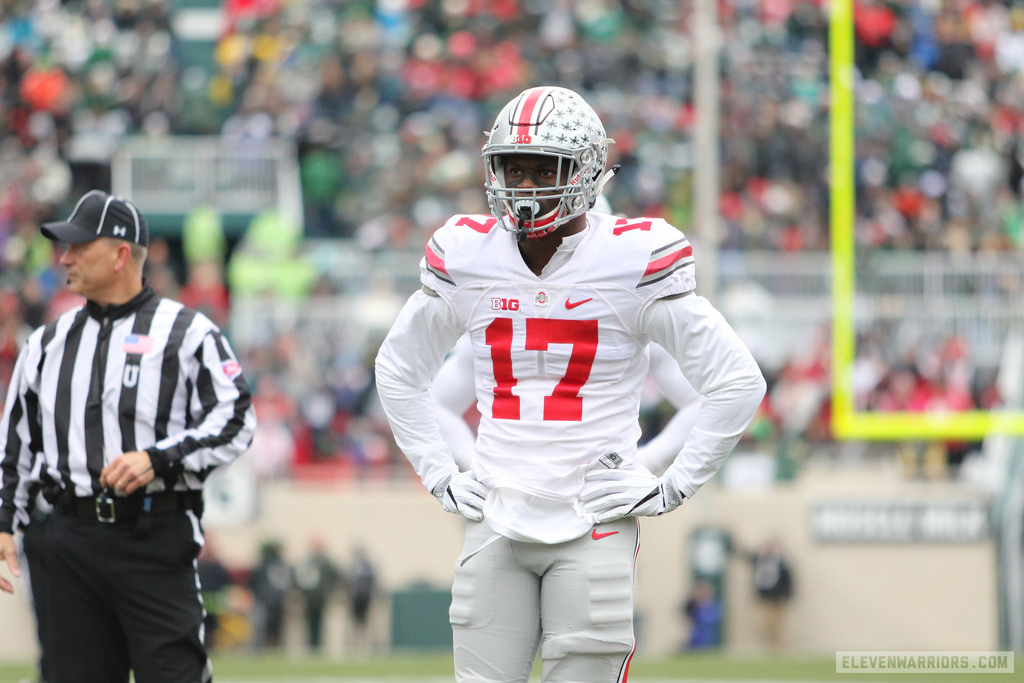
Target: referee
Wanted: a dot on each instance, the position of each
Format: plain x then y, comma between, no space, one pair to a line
119,410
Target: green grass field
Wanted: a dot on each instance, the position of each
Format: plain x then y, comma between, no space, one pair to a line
437,667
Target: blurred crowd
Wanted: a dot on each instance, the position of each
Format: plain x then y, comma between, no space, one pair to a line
250,606
386,102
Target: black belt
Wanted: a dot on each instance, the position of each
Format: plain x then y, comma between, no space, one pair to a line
109,509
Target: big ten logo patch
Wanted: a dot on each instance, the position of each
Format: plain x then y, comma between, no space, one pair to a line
499,304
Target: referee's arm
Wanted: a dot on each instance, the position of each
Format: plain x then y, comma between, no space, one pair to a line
16,457
222,403
8,553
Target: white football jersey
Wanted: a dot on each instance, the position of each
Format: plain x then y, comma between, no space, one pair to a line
559,360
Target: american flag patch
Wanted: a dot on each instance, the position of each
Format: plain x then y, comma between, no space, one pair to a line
138,343
231,368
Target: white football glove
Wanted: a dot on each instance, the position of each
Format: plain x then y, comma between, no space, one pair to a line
610,494
462,494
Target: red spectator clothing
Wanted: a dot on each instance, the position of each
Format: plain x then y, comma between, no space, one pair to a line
209,296
236,10
873,24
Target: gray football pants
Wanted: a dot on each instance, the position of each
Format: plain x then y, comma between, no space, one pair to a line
573,601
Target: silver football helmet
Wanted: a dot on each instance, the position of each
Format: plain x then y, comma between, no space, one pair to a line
555,122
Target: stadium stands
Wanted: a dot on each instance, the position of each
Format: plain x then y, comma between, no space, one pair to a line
384,105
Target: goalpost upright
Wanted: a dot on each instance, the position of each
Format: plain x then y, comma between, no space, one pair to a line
849,422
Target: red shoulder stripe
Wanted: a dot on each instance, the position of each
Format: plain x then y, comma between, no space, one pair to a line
434,261
434,257
667,260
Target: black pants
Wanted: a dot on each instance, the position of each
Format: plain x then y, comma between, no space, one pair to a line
315,623
36,546
121,602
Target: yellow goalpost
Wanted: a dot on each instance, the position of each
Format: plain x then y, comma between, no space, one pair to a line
848,422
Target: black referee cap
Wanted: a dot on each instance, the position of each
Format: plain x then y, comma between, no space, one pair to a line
99,214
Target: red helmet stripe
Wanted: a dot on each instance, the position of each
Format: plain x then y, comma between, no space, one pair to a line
527,110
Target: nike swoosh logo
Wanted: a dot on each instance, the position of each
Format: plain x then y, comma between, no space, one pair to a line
573,304
596,536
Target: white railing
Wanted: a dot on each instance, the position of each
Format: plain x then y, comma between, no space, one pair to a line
173,175
778,302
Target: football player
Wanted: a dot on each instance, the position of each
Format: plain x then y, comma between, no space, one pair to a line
560,304
453,392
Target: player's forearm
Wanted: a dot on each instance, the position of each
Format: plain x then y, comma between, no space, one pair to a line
726,412
458,435
720,427
725,373
661,451
414,425
408,359
452,394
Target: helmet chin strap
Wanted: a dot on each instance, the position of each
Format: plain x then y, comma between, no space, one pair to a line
526,217
526,211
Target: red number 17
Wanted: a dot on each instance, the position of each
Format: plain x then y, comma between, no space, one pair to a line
564,403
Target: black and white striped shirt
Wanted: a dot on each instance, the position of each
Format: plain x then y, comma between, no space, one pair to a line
149,375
